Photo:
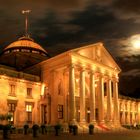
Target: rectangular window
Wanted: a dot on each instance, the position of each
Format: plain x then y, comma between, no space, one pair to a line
60,111
29,108
29,92
29,112
12,107
44,113
25,50
12,90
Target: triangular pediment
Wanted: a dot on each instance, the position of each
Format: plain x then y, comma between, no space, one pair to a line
98,53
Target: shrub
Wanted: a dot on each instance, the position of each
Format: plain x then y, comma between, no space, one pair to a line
26,126
58,126
43,128
75,129
57,129
35,127
6,128
91,126
70,128
1,127
91,129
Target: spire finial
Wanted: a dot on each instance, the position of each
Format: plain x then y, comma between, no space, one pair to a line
26,12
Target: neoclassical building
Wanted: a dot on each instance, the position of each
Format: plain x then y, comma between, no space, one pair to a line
79,86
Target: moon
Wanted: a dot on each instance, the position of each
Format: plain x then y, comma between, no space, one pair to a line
135,41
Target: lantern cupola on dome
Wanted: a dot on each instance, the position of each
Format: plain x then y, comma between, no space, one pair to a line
24,52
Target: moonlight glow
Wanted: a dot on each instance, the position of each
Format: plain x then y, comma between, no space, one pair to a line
135,41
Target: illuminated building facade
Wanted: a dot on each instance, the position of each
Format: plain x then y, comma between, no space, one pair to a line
79,86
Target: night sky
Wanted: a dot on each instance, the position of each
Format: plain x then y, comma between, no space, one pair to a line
61,25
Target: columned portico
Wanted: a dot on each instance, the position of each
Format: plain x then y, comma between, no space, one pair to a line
92,97
82,96
72,108
109,101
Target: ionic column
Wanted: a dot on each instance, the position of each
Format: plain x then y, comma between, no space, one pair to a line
123,113
82,96
101,99
128,118
116,102
72,108
65,98
92,97
109,101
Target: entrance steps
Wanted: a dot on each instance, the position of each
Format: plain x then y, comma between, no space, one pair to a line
84,128
98,128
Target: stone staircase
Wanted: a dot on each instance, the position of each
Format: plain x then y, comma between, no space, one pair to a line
98,128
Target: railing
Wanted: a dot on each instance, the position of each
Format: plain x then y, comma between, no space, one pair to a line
16,74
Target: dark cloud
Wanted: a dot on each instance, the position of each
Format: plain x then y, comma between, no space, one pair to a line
133,72
91,25
129,63
126,9
130,75
63,25
131,6
128,85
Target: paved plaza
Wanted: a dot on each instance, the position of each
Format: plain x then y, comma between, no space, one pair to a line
125,135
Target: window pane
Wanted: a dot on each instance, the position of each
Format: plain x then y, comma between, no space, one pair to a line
12,116
29,108
29,116
9,107
60,111
29,92
12,90
13,107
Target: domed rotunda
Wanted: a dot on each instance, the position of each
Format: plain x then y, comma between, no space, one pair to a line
23,53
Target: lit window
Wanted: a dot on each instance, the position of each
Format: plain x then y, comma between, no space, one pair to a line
15,50
29,108
60,111
29,112
12,107
12,90
25,50
29,92
6,52
43,54
33,51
